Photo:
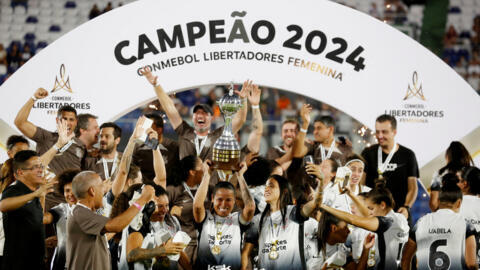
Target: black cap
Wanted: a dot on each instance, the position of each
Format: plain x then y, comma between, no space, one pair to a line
204,107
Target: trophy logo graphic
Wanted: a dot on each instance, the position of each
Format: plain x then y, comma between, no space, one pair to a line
62,83
226,150
415,90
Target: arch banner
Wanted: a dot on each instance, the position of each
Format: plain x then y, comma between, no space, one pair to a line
316,48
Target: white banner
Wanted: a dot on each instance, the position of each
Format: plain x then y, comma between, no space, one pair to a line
315,48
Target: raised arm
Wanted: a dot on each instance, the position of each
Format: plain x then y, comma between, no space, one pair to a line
367,223
21,121
299,149
166,102
124,166
311,205
201,195
255,136
360,205
241,116
118,223
63,139
248,202
158,163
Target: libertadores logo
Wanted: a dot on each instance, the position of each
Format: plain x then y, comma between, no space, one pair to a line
62,83
414,107
58,98
415,90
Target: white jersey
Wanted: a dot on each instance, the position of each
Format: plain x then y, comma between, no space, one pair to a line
391,236
356,239
220,242
335,257
310,239
471,212
154,237
440,239
279,245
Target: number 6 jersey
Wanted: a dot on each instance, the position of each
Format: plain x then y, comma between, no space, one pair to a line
440,239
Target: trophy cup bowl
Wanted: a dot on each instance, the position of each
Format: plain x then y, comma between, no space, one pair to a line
226,150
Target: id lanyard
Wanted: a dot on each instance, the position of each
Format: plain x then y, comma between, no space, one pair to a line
114,166
187,189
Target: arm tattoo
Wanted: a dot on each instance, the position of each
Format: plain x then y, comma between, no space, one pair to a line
255,121
139,254
246,196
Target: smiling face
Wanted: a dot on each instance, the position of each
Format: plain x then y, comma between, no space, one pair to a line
357,172
223,201
67,192
32,172
289,132
384,133
91,134
272,191
108,143
202,120
161,209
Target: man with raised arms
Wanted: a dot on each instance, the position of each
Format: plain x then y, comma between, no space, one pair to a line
199,139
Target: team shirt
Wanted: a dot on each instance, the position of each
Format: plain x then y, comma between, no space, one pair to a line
471,212
186,141
279,245
154,234
440,239
60,214
220,241
391,236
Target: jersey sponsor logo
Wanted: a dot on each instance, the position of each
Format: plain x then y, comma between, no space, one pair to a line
472,221
402,234
439,230
219,267
391,167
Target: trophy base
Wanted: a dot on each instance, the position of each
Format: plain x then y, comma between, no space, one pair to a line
232,165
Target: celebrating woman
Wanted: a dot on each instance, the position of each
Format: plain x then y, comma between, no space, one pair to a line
221,230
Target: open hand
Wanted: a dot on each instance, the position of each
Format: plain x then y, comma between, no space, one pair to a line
305,113
63,137
254,95
148,74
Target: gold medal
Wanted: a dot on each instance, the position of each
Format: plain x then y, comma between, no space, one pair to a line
371,262
216,250
273,254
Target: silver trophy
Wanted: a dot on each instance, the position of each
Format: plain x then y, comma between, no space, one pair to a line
226,150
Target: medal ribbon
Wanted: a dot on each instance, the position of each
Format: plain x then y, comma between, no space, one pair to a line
382,167
330,151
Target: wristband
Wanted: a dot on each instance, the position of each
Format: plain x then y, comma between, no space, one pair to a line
34,98
56,147
137,205
407,207
303,130
255,106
